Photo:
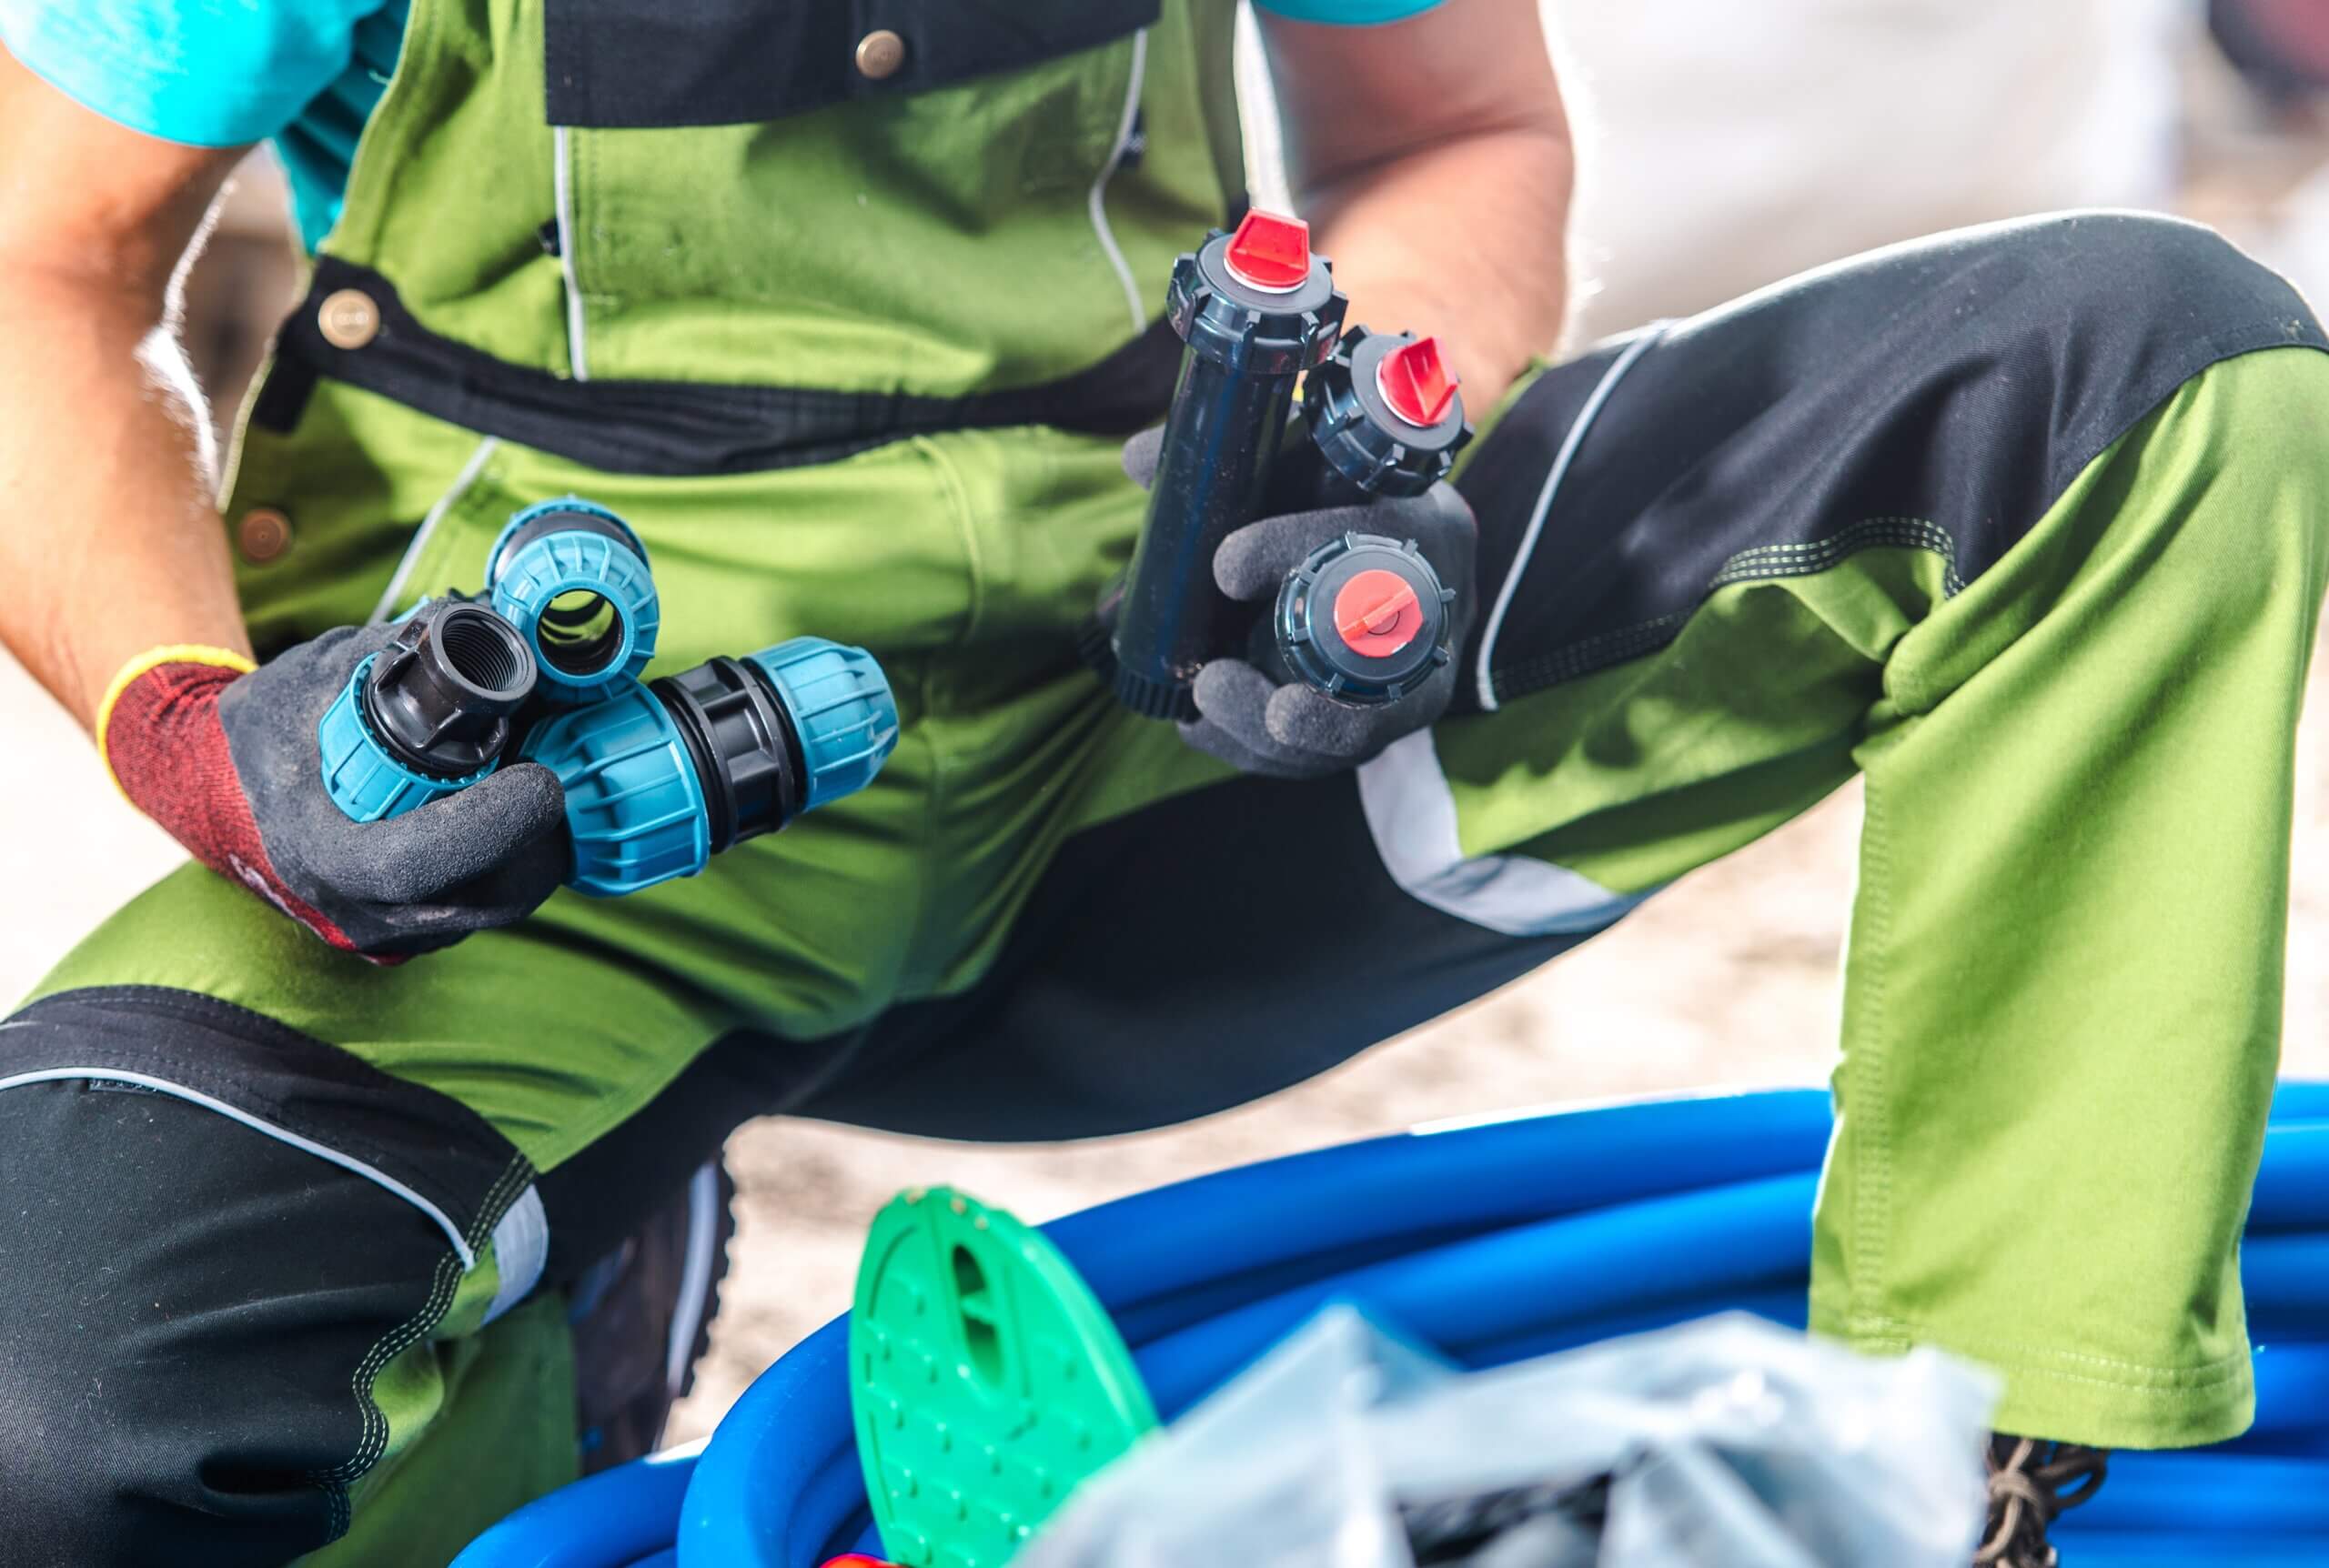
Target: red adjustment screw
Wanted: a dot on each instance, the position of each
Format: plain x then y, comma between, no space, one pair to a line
1377,613
1416,381
858,1560
1269,253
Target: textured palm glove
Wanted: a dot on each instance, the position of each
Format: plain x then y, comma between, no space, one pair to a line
1292,731
225,757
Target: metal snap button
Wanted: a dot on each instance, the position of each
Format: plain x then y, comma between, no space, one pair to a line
880,54
348,318
264,533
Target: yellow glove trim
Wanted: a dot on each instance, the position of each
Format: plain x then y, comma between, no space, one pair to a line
151,659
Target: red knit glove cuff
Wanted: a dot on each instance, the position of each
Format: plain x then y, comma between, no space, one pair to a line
160,735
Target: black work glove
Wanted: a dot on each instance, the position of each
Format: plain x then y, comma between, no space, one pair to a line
225,758
1293,731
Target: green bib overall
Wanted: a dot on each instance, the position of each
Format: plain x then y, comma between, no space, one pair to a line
956,247
2023,524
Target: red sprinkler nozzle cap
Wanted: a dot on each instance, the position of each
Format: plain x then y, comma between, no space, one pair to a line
1269,253
1416,381
858,1560
1377,613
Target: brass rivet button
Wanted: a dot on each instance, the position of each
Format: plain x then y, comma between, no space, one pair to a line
264,534
348,318
880,54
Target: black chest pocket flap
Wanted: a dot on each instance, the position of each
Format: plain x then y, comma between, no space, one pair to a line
660,62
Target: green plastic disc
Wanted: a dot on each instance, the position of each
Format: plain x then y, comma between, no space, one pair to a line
986,1381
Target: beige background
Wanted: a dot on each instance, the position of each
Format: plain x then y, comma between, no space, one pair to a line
1725,145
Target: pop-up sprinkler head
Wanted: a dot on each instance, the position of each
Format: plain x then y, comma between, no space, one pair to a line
1385,413
1363,620
1256,308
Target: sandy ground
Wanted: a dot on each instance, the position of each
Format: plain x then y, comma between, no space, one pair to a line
1727,979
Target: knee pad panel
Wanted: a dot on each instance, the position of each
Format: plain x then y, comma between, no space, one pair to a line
197,1280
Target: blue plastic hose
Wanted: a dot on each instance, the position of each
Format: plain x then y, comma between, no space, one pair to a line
1496,1242
613,1520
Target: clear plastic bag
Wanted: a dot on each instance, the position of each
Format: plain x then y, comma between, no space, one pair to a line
1728,1442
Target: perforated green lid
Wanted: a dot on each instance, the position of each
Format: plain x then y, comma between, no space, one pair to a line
985,1379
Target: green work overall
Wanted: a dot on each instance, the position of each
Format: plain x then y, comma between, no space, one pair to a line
2021,524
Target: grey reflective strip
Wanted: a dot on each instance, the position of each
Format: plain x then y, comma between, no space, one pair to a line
521,1247
1483,685
373,1174
695,1274
1411,812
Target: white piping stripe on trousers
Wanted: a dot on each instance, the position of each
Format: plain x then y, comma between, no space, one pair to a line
1553,477
412,557
695,1274
1411,812
520,1248
1107,172
562,191
371,1174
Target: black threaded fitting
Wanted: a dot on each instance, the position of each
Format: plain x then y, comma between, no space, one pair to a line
442,692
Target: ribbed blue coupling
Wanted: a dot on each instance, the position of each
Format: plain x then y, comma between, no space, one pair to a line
587,647
842,713
634,805
661,777
362,779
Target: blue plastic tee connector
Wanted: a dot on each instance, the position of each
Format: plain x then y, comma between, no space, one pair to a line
659,778
428,715
603,633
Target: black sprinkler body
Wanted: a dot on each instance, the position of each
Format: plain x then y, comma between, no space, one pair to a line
1364,620
1255,310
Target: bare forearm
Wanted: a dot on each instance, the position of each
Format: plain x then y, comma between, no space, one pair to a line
113,544
1463,240
1432,158
110,543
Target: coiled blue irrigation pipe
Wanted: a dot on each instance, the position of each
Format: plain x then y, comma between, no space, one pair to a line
1495,1242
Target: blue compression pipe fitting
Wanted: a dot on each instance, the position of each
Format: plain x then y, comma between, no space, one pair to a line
659,778
362,776
843,716
572,546
634,801
427,715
